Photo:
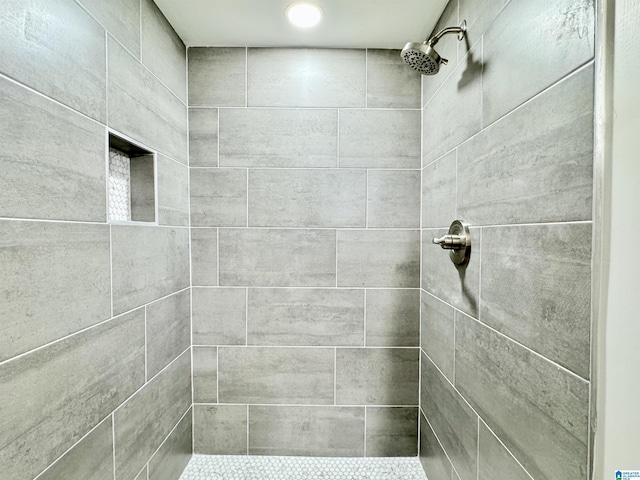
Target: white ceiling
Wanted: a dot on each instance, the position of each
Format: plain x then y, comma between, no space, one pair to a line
261,23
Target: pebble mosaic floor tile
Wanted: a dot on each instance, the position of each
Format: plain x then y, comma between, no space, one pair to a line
238,467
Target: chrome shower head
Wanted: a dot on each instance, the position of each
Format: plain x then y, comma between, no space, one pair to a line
423,57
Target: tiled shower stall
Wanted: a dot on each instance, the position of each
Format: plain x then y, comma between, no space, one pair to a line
287,299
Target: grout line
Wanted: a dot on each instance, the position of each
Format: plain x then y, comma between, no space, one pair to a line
247,202
218,256
218,143
310,405
366,201
336,250
338,138
276,107
306,169
140,26
113,444
247,429
335,376
146,347
246,78
365,431
246,316
366,78
217,375
478,451
365,317
307,347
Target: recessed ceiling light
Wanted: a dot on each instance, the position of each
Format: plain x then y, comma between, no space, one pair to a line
304,14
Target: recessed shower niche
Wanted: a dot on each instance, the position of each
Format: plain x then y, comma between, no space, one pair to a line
132,182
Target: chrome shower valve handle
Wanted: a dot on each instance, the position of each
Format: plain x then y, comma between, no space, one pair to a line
458,240
451,242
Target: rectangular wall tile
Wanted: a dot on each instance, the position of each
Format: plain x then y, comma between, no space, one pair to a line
517,70
287,258
546,424
278,138
537,164
393,318
61,176
453,421
142,107
217,77
145,420
173,192
102,367
437,333
378,258
219,316
536,289
171,459
148,263
380,138
203,137
121,18
205,374
220,429
90,459
289,77
163,51
204,256
307,198
281,316
456,285
276,375
379,376
218,197
390,84
495,461
432,456
168,330
393,199
306,431
55,281
392,432
43,41
439,185
443,128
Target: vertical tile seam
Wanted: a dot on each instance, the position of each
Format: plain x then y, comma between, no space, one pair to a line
335,376
478,450
140,26
247,419
146,348
365,318
246,79
113,443
218,134
246,316
366,78
338,138
365,431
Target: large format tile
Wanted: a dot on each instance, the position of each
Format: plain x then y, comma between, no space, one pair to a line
276,375
56,48
278,137
205,374
479,15
546,422
173,192
454,113
379,258
52,397
393,199
289,77
392,431
203,137
434,460
61,176
204,256
377,376
456,285
220,429
390,83
219,316
437,333
281,316
306,431
271,257
536,289
217,77
453,421
172,457
147,418
307,198
163,51
379,138
142,107
148,263
517,69
393,318
494,460
439,185
89,459
218,197
55,281
121,18
536,165
168,330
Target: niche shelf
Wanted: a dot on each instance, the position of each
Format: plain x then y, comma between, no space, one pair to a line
132,182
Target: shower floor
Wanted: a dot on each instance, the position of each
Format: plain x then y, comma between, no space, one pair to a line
238,467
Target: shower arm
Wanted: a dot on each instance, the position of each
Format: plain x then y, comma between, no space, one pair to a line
461,30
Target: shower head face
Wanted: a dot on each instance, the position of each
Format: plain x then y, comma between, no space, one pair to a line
422,58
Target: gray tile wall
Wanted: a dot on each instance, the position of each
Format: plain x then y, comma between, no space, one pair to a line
95,318
305,243
506,341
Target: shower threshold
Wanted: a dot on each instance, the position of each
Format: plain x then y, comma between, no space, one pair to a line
251,467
